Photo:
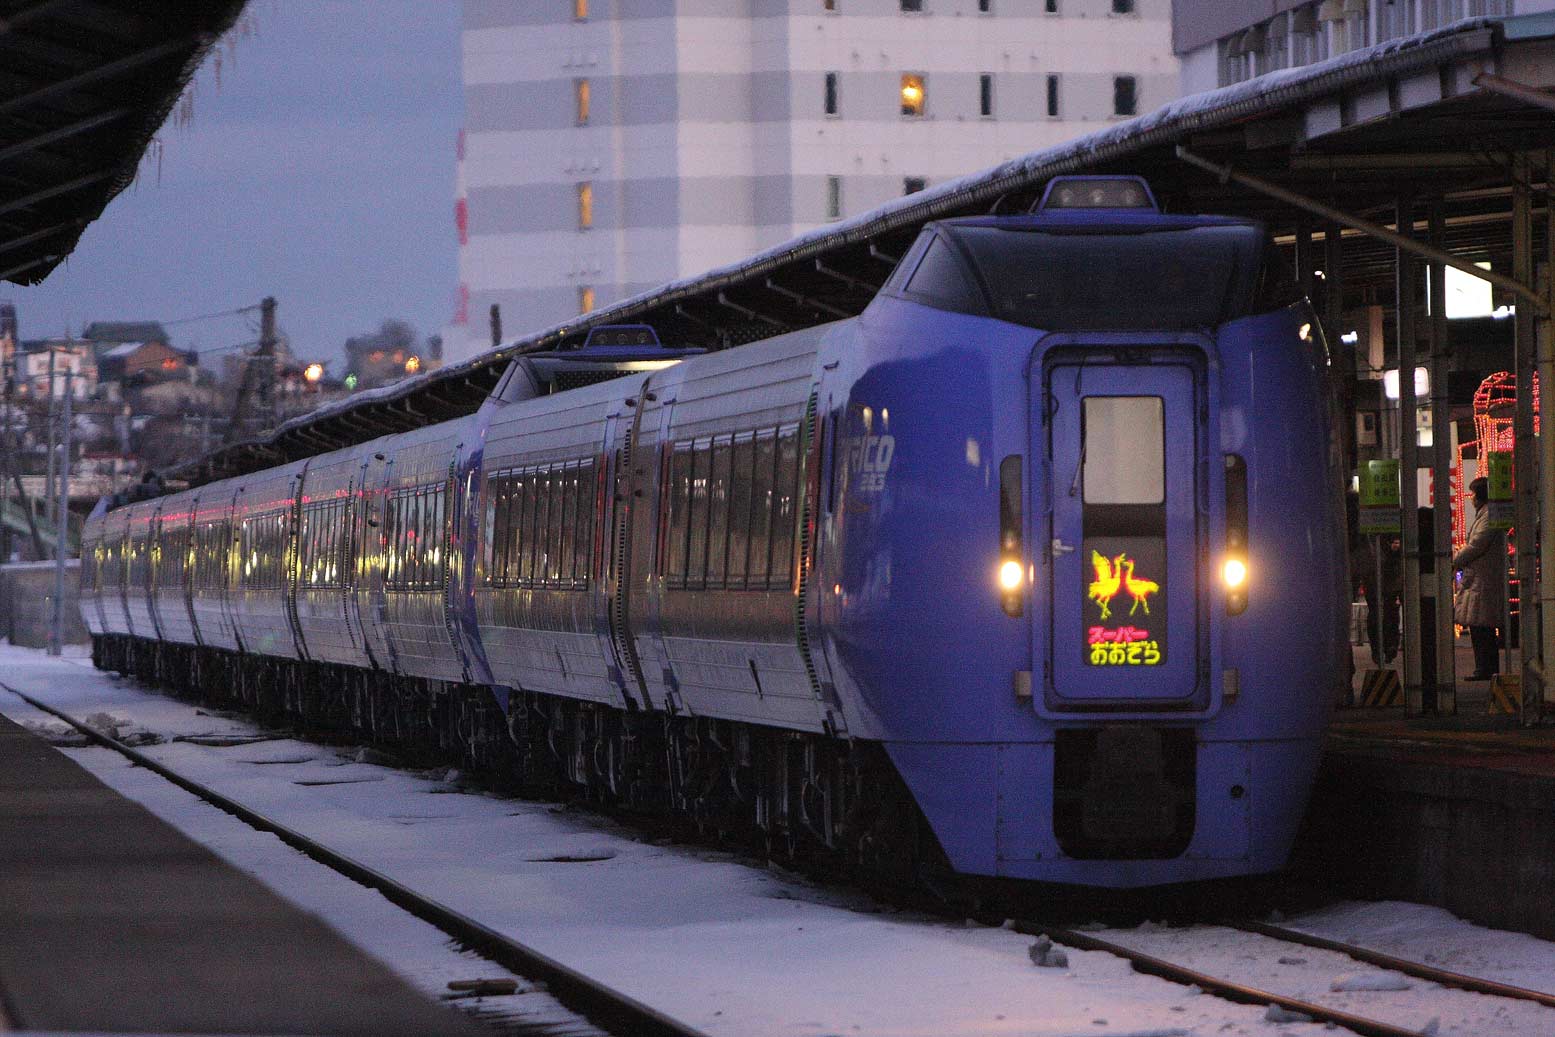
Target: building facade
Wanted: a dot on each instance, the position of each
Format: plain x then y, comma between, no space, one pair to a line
1229,42
613,145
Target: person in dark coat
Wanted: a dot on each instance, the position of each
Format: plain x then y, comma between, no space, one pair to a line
1481,600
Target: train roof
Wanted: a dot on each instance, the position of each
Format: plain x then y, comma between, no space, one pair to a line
1312,129
1090,221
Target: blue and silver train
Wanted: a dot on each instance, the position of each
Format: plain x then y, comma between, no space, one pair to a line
1033,570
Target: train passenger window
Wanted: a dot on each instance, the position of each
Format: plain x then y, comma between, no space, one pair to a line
1123,450
556,501
718,514
761,512
497,568
514,529
696,551
562,543
786,489
421,525
523,528
680,508
583,552
742,460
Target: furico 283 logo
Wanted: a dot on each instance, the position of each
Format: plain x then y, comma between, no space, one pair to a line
870,461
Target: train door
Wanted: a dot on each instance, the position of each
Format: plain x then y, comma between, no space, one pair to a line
191,561
291,554
156,543
1121,617
232,552
367,608
621,485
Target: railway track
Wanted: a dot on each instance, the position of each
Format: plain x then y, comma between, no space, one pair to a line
1241,993
616,1013
608,1009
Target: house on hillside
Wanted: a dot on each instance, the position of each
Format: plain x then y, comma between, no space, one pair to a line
146,361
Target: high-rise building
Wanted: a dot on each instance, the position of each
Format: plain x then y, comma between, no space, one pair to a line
613,145
1228,42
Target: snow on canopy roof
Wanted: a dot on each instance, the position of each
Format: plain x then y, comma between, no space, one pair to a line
350,420
123,350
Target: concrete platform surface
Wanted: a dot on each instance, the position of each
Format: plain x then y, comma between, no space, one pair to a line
112,921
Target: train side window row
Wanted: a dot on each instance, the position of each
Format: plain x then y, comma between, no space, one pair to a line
540,526
262,540
326,543
731,504
416,542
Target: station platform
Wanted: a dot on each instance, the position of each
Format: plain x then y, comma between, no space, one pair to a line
1457,811
112,921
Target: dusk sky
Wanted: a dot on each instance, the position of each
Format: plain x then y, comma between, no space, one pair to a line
319,170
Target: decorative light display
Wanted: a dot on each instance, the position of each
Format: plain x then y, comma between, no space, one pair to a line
1495,403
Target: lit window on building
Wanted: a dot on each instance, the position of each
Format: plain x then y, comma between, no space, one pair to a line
985,95
582,91
585,205
1125,96
913,184
913,94
1052,97
834,198
580,9
586,299
831,106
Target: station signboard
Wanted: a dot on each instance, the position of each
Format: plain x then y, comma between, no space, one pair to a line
1379,497
1499,477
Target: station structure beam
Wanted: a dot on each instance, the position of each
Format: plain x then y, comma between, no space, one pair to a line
1404,302
1526,496
1441,696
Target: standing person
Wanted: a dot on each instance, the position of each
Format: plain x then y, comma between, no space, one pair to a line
1481,602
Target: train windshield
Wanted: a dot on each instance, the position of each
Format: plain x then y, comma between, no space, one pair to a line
1179,278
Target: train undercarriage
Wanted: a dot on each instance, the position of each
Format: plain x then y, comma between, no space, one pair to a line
794,797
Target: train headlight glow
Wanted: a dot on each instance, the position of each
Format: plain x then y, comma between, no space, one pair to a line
1234,572
1011,575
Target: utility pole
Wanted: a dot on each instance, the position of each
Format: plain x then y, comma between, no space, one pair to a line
53,440
496,325
266,360
61,527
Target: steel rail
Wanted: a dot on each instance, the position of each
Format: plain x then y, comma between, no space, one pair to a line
603,1006
1430,973
1221,988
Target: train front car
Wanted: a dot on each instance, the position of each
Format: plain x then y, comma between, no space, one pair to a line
1088,576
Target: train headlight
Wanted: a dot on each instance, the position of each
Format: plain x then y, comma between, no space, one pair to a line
1012,576
1233,571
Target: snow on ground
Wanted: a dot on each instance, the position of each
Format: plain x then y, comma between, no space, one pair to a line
1420,932
1338,981
722,945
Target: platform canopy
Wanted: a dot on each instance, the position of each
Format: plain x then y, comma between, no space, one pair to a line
84,87
1445,111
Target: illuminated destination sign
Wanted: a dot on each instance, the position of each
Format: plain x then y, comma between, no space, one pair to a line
1120,626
